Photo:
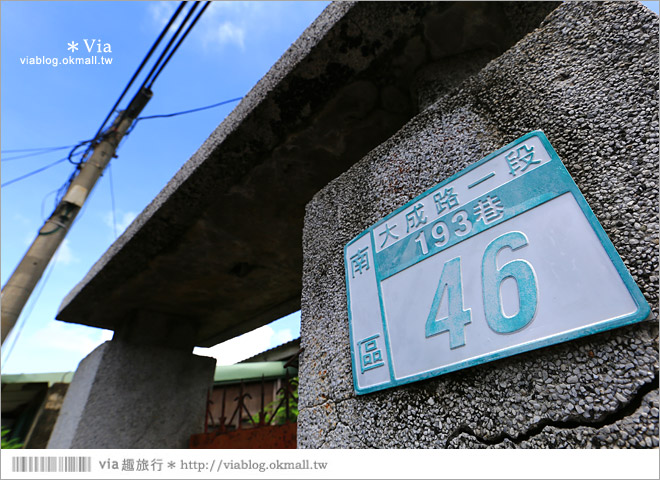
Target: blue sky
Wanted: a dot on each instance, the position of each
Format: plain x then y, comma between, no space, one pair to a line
230,49
653,6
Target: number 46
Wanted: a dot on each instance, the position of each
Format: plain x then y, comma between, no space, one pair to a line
491,278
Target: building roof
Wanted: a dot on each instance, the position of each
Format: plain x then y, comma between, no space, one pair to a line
250,372
21,389
50,378
223,374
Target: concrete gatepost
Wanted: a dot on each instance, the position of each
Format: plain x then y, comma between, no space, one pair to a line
143,389
587,77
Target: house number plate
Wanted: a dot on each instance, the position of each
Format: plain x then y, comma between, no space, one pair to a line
502,258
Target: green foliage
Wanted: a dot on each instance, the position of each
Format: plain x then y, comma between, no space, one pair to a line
12,443
280,414
277,408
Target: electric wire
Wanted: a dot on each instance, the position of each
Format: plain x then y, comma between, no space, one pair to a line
40,150
176,47
149,117
35,153
168,46
22,177
142,64
43,281
43,203
168,115
17,150
128,86
73,154
155,72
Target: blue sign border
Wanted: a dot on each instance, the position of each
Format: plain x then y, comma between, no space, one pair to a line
642,312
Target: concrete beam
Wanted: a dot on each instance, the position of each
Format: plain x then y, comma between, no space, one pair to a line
222,243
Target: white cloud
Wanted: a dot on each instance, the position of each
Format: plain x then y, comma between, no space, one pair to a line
22,219
28,239
68,337
123,220
65,255
223,23
224,34
281,336
239,348
106,335
161,12
237,8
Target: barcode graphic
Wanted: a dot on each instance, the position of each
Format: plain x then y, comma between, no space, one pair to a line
51,464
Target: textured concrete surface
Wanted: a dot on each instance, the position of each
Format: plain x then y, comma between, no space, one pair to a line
587,77
134,396
221,244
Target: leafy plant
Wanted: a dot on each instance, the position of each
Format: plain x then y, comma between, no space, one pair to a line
9,443
277,408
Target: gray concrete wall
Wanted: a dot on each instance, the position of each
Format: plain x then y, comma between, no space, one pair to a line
126,395
587,77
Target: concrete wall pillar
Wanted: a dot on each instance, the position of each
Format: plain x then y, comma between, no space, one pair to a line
143,389
587,77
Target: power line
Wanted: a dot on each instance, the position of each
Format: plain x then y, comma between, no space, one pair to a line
34,172
176,47
40,150
168,46
128,86
33,152
142,64
149,117
26,276
167,115
36,148
44,280
43,202
73,154
155,72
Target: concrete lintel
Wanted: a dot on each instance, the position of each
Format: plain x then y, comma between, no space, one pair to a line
222,242
143,327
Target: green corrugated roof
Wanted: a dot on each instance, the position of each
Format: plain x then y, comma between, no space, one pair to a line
250,372
55,377
247,372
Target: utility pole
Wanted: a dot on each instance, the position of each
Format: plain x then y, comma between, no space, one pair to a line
20,285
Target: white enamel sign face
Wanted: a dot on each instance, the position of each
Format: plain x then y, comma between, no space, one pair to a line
504,257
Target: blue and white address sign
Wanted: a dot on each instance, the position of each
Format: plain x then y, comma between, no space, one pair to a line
502,258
